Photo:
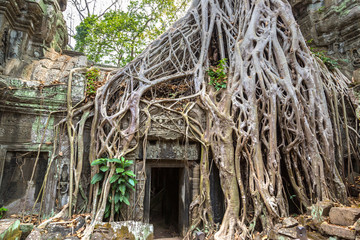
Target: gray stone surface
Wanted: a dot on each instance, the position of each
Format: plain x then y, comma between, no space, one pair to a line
289,222
289,232
123,230
339,231
334,26
10,229
34,235
344,216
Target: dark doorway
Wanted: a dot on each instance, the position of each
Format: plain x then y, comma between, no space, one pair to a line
164,201
17,173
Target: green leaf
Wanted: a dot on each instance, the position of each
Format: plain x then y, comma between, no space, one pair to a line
131,181
119,170
126,201
117,197
99,161
128,163
104,168
117,206
114,178
123,189
115,160
97,177
121,180
130,173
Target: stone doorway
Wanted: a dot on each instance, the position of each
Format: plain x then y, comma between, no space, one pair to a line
164,201
15,178
167,199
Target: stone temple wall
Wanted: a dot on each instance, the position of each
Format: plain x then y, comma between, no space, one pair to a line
333,26
34,74
30,106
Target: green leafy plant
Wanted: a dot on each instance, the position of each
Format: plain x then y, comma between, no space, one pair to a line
217,74
122,182
92,78
2,212
321,9
329,62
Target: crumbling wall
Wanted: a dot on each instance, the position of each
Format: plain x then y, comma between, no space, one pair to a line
30,105
27,30
34,75
334,26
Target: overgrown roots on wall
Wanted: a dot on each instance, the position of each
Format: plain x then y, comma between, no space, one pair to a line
274,129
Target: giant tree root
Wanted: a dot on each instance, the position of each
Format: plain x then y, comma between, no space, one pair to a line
275,119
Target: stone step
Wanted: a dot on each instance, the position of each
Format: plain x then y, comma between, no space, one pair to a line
344,216
338,231
10,229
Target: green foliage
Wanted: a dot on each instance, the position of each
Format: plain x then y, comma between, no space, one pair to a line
292,197
122,182
321,9
217,74
118,36
2,212
92,78
329,62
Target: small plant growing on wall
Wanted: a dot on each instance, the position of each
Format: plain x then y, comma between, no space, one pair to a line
2,212
217,74
122,182
329,62
92,81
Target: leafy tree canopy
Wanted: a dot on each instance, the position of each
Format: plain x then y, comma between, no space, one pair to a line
119,35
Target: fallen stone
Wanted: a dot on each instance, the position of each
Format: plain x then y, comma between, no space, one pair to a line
317,236
344,216
10,229
320,210
357,225
52,236
123,230
289,232
60,228
34,235
26,229
289,222
326,206
338,231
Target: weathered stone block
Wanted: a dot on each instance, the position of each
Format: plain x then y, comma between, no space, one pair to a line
123,230
338,231
344,216
26,228
289,222
357,225
10,229
34,235
320,210
289,232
